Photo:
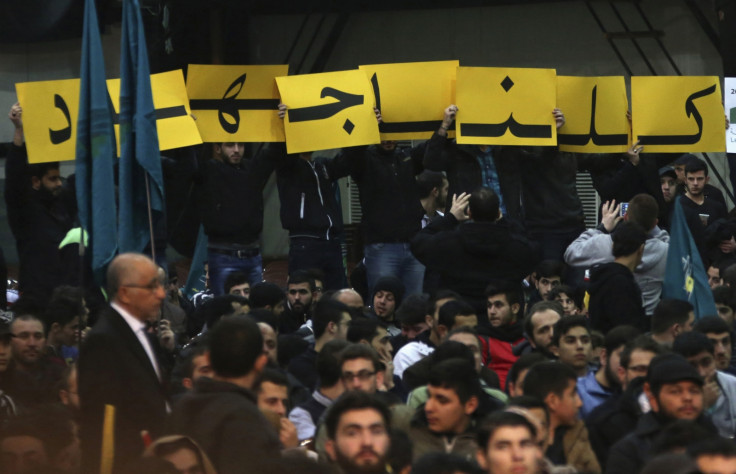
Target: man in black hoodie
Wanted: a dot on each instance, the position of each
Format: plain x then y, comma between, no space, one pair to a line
615,298
469,257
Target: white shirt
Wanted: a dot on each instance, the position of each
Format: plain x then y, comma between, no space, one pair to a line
139,329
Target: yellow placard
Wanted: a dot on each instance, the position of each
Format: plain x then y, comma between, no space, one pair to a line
50,111
678,114
412,97
328,110
236,103
595,114
174,123
506,106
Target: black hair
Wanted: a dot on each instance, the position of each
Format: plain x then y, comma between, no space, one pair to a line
725,295
549,269
713,446
329,367
539,307
524,362
678,435
484,205
443,295
273,376
643,211
575,294
185,363
428,180
39,170
618,337
67,302
451,309
444,463
729,276
262,315
360,351
692,343
567,323
628,238
213,309
513,296
669,312
235,278
694,165
641,343
265,294
326,312
712,324
529,402
413,309
401,450
548,377
235,345
362,329
458,375
301,276
354,400
501,419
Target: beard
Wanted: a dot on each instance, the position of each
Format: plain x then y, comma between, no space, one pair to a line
349,466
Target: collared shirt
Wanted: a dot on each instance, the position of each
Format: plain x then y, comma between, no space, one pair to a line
489,175
591,393
139,329
303,420
426,219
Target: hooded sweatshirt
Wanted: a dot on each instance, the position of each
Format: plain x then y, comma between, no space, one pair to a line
615,298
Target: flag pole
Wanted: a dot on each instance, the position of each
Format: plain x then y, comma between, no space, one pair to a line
150,217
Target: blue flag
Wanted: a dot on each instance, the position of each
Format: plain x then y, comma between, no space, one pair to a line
95,155
140,162
195,281
685,277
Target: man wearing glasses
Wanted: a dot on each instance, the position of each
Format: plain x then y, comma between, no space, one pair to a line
119,354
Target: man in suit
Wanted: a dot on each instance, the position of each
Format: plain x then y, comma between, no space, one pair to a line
119,364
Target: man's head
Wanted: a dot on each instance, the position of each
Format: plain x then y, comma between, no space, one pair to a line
570,298
680,164
696,176
68,393
714,455
230,153
267,295
628,241
643,211
45,178
483,205
134,283
28,341
361,368
6,351
729,275
671,318
350,298
454,391
433,184
330,320
270,342
236,348
518,371
674,388
387,295
504,305
329,368
668,182
272,392
725,300
237,283
610,358
195,361
556,385
714,276
370,332
571,342
698,350
507,445
720,335
468,337
64,314
299,291
453,314
635,359
539,325
413,316
547,276
358,427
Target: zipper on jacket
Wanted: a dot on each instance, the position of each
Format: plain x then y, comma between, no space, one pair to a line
301,208
321,201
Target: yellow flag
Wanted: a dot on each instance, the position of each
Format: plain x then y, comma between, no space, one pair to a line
678,114
50,111
174,123
328,110
506,106
412,97
595,114
108,440
236,103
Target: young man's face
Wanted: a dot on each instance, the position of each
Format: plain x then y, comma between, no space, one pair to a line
668,187
568,304
201,366
714,277
299,296
445,412
273,398
511,450
70,332
722,347
565,408
470,340
361,442
680,172
696,181
380,341
543,324
230,153
500,313
638,365
678,400
241,290
725,313
28,341
575,346
384,304
545,284
360,374
51,182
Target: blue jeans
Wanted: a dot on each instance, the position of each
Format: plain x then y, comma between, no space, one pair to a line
325,255
221,265
393,259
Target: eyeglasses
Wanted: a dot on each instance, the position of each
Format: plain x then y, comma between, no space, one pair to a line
363,375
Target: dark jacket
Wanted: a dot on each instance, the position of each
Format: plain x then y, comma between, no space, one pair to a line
472,255
224,420
231,197
39,222
464,174
389,196
308,204
615,298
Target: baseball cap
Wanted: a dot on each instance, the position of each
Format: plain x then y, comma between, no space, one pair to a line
671,368
667,170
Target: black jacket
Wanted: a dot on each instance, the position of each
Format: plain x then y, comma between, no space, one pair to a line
615,298
224,420
389,196
472,255
231,197
308,204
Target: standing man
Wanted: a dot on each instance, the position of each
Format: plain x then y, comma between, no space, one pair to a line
119,364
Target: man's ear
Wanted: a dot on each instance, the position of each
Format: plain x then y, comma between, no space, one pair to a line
602,359
435,192
187,383
554,350
621,373
651,398
260,363
331,327
380,378
707,179
471,405
442,330
330,450
515,309
552,401
35,182
480,456
55,327
429,319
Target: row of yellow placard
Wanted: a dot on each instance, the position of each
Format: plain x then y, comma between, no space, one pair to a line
497,106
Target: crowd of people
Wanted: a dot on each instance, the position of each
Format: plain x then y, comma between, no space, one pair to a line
485,330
